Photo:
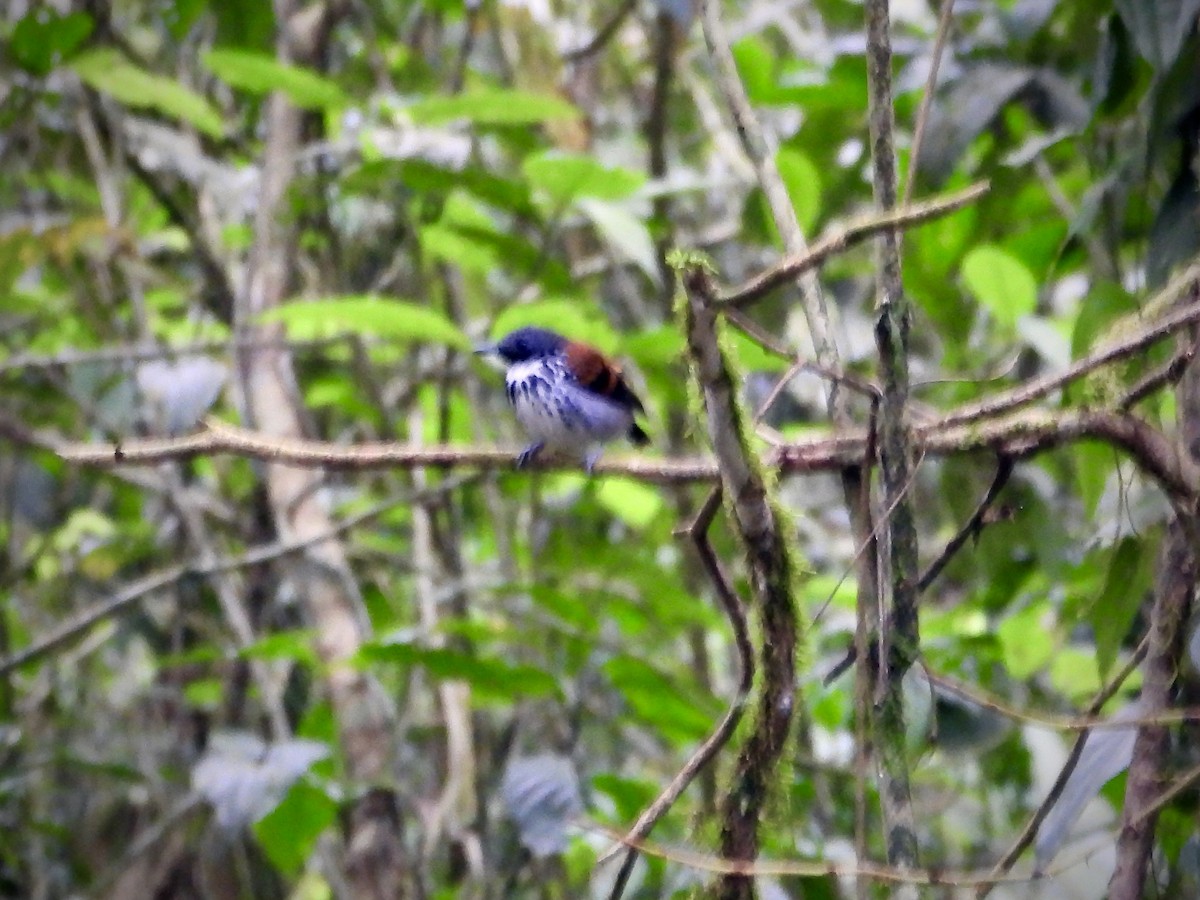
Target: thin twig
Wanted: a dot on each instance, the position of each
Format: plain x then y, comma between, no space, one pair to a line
130,353
839,238
1029,832
1111,352
156,581
220,437
656,124
1167,374
731,604
939,45
745,868
759,335
992,703
1178,786
973,525
866,617
604,35
221,291
866,546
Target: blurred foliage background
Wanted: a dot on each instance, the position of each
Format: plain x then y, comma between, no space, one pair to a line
536,646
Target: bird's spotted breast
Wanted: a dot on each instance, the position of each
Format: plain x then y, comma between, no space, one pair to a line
553,407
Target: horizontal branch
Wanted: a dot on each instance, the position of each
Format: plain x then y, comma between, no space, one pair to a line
762,868
1020,435
221,438
129,353
839,238
1109,352
1058,722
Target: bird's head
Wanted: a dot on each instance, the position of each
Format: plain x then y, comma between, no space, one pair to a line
525,344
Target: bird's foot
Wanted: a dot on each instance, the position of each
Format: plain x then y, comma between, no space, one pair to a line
529,454
593,457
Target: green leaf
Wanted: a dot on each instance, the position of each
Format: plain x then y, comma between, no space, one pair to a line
939,244
1001,282
564,177
318,723
311,885
1130,572
459,416
463,235
958,622
629,796
1073,672
831,709
259,73
490,676
180,16
803,183
751,356
839,593
424,177
632,502
1026,641
455,246
1104,303
656,347
658,700
625,233
205,693
19,249
81,525
43,38
295,645
110,73
756,67
244,23
492,106
288,834
1094,463
841,92
384,317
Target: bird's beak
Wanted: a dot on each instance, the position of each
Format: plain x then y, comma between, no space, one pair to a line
485,349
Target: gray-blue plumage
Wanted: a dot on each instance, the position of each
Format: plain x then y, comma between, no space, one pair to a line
554,408
566,396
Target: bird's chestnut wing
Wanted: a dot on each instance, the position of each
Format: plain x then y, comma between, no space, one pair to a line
600,376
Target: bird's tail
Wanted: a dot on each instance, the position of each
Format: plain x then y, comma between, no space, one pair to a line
639,437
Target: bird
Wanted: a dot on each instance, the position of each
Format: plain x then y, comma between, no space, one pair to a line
567,396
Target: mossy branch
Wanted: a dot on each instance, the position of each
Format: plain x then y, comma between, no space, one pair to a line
770,563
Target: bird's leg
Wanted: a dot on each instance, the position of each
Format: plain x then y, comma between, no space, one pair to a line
593,457
529,454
